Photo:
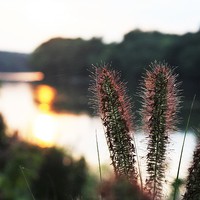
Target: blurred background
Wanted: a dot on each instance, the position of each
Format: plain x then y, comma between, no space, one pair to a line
47,48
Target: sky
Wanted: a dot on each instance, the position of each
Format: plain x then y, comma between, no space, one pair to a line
25,24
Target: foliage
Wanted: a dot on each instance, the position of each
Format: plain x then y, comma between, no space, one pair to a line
14,155
59,177
65,63
117,189
50,173
13,62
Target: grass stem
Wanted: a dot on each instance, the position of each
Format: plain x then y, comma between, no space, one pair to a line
181,155
22,171
99,161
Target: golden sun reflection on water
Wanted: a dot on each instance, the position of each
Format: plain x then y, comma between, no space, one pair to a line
45,96
44,130
44,126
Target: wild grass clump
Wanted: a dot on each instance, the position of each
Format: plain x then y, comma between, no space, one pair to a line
161,98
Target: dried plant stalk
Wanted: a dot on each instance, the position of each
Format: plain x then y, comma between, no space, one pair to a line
114,108
159,112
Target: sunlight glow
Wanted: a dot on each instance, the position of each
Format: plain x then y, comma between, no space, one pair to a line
44,127
45,95
44,130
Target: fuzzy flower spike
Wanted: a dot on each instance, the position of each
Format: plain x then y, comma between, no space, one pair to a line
159,112
114,109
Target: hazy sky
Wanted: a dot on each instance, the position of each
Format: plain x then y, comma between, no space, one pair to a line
25,24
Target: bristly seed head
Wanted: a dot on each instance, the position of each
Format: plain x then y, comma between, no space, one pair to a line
161,102
160,88
115,111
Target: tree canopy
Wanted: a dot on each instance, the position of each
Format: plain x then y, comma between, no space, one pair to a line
66,62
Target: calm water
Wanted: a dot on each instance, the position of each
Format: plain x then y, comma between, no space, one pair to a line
75,132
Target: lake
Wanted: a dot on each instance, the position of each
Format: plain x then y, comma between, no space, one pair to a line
76,133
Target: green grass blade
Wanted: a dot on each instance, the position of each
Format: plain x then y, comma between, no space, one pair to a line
99,161
28,186
181,155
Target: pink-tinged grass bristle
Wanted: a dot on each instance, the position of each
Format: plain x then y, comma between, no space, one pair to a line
115,111
160,96
120,88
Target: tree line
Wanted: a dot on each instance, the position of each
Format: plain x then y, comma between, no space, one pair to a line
67,63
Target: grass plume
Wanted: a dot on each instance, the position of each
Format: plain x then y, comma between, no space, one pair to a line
114,109
161,100
159,113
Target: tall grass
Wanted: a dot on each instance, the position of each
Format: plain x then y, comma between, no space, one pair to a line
28,186
114,109
160,105
182,148
161,98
